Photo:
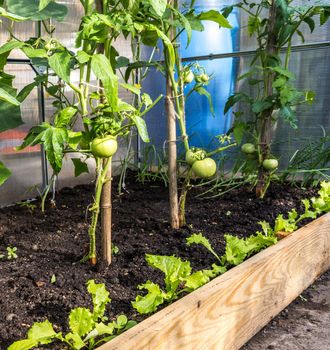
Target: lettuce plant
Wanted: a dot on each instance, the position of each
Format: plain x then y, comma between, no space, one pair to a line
178,279
237,249
313,208
88,328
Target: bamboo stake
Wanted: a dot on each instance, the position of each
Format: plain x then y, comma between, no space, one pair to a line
172,148
265,131
106,217
172,155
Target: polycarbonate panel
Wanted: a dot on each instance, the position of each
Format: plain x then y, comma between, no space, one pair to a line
21,30
66,33
26,164
312,72
66,30
319,35
215,40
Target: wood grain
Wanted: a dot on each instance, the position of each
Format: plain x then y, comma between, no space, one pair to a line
227,312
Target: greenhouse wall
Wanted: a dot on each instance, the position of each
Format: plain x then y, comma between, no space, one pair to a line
30,171
224,54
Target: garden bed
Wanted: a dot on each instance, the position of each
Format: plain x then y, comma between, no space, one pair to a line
225,313
52,243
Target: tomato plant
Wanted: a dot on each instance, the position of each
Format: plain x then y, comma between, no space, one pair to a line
100,111
274,24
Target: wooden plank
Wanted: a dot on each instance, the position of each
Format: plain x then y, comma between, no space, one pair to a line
228,311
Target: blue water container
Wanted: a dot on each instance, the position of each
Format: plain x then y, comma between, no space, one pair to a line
202,126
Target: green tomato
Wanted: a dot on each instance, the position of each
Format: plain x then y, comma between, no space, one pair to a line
104,147
204,78
248,148
204,168
270,164
194,154
188,77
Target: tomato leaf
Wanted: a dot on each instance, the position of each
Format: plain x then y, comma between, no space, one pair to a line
53,140
25,92
64,117
159,6
11,45
10,113
260,106
7,97
30,9
33,137
215,16
11,16
232,100
103,71
82,57
4,173
43,4
239,129
166,41
141,127
60,64
202,91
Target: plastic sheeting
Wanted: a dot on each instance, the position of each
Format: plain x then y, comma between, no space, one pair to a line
310,65
25,165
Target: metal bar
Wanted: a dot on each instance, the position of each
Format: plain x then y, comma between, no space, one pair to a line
294,48
211,56
18,61
44,164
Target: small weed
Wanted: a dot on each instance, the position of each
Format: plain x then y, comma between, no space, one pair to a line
28,205
11,253
115,249
53,279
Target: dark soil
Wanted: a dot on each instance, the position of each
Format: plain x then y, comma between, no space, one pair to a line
52,243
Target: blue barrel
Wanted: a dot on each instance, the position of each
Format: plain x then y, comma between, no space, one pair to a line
202,126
